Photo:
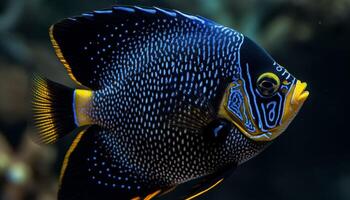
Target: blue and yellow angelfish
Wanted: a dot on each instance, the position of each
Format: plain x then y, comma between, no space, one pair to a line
166,99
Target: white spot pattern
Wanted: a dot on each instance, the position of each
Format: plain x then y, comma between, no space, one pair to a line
150,70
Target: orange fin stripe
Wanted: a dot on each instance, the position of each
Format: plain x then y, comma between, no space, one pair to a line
61,57
150,196
168,191
206,190
49,140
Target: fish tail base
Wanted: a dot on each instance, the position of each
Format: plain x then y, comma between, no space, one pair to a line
82,107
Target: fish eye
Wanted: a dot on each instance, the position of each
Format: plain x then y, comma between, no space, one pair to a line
268,84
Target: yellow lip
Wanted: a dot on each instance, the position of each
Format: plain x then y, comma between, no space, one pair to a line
294,102
300,94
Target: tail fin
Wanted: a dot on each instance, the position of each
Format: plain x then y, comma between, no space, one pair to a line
53,110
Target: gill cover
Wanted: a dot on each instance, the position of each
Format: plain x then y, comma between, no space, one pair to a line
265,98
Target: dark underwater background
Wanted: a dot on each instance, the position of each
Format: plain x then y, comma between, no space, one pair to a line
311,38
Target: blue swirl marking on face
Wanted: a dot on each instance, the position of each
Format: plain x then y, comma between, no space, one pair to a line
235,102
254,98
248,124
236,107
272,112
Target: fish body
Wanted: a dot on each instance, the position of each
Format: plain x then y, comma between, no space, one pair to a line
169,98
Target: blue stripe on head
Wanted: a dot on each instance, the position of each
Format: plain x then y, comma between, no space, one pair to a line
271,113
254,100
280,110
267,116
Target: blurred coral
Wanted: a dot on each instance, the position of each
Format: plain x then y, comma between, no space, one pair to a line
27,173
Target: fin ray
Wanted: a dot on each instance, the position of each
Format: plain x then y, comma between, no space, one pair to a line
52,109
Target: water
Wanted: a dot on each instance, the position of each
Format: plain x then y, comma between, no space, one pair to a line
311,160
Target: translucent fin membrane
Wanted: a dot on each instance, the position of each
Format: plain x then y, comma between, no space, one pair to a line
52,109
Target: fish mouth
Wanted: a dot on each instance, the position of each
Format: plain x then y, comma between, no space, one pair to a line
295,101
300,94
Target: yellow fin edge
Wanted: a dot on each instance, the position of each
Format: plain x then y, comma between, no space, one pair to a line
43,112
148,197
69,153
60,55
206,190
152,195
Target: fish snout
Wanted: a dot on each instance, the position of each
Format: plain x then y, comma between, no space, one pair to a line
300,94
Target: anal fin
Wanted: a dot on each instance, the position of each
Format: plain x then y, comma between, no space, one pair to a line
69,152
90,172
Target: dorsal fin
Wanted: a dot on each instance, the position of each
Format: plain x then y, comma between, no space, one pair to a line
101,47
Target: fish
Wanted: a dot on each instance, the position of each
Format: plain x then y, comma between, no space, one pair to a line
163,100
